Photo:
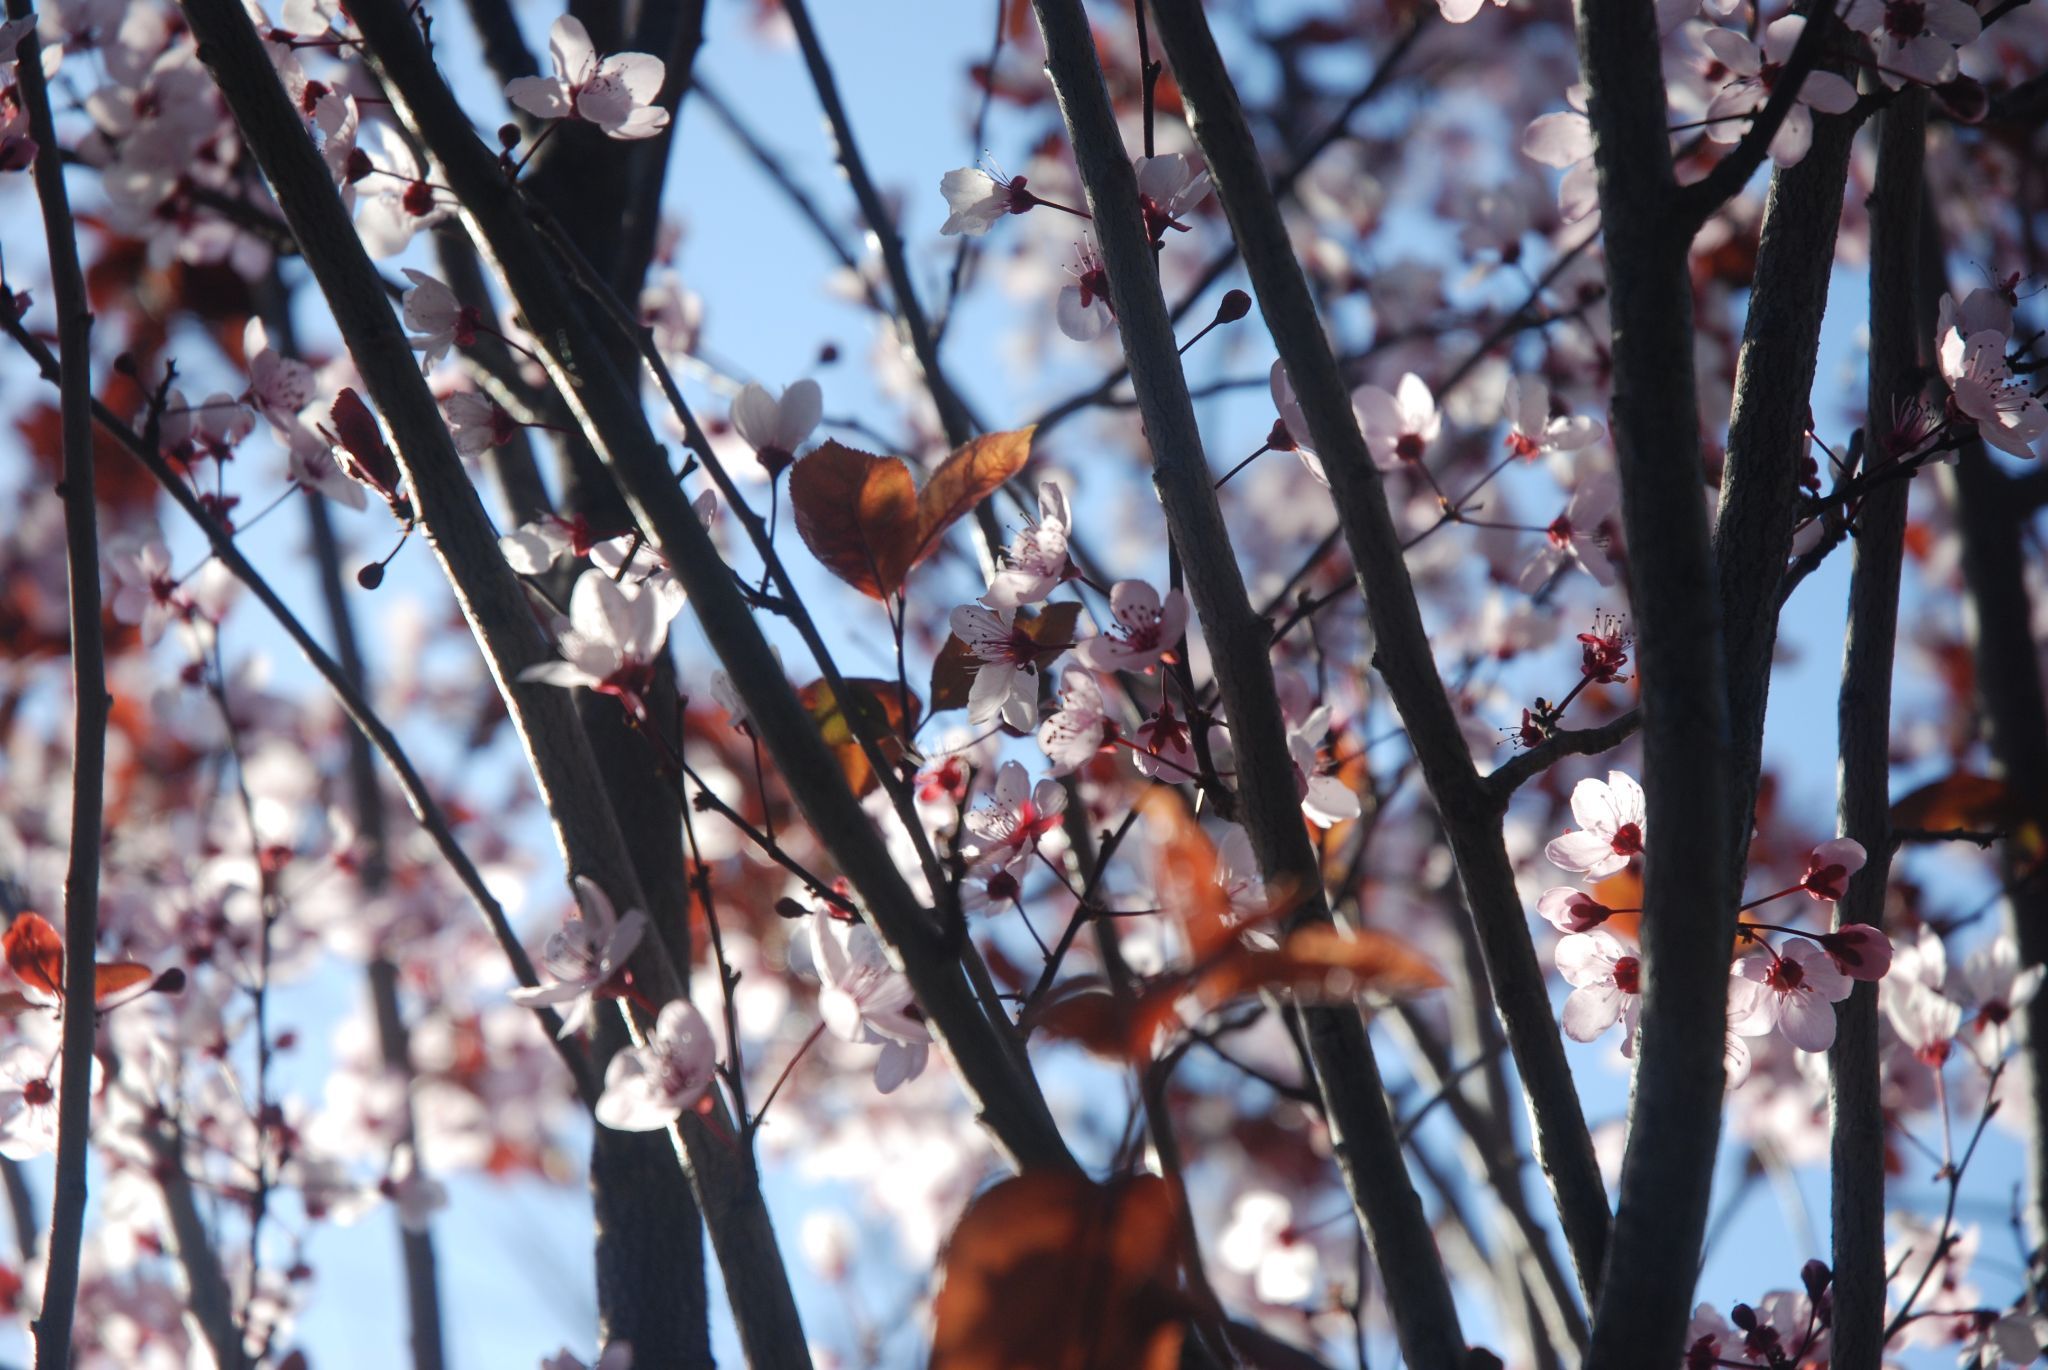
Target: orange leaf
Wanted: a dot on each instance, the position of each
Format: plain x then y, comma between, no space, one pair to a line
882,705
1320,964
35,953
1052,1271
1960,800
858,513
963,480
1184,874
111,977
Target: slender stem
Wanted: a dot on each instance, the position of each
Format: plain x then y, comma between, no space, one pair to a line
1863,778
53,1325
1368,1154
1470,810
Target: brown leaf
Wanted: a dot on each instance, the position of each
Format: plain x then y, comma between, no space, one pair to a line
858,513
1960,800
963,480
883,706
865,519
1052,1271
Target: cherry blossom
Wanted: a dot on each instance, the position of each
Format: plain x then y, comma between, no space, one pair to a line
1035,563
977,200
615,632
1606,975
1993,983
1166,745
1755,71
1325,799
865,999
1399,428
1802,986
402,202
311,464
776,425
207,431
616,93
647,1087
1261,1241
279,387
1083,311
1829,866
1916,40
1168,187
1860,951
1144,628
2006,412
1007,829
476,422
1926,1020
1006,678
1072,734
28,1102
145,591
1533,431
532,548
1573,537
617,1356
1611,827
436,320
585,954
1564,140
1570,909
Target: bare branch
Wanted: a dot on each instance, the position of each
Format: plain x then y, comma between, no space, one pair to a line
1523,767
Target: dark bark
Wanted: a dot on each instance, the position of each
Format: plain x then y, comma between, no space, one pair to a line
1368,1149
1855,1107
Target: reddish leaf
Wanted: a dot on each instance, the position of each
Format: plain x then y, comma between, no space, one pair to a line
35,953
963,480
882,702
1052,1271
367,458
865,519
858,514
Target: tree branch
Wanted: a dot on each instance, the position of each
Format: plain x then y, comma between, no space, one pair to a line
494,603
1470,811
1863,784
1698,202
1689,894
1006,1098
52,1327
1368,1150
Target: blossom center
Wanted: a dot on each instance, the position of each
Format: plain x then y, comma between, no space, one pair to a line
1786,975
1409,447
1628,840
38,1093
1905,20
1628,975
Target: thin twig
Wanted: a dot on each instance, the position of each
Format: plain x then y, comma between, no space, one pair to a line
52,1327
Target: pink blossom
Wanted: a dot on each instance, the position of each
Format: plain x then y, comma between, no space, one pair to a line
1261,1241
1829,866
1611,826
1802,986
590,948
1573,538
1168,187
145,591
1534,431
615,632
1607,978
1992,981
776,425
1083,311
865,999
2006,412
476,422
1018,814
1860,951
436,320
1144,628
1565,140
1035,562
1072,735
1570,909
1916,40
1325,800
279,387
1399,428
1755,72
28,1102
1006,676
976,200
1926,1020
647,1087
616,93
